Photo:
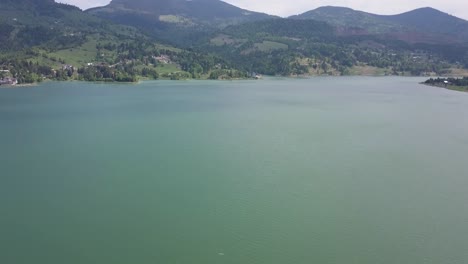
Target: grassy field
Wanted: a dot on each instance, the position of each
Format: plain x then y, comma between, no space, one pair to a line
368,71
175,19
267,46
458,72
78,56
223,39
167,68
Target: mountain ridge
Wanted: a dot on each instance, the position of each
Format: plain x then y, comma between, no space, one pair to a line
176,22
197,11
426,23
176,19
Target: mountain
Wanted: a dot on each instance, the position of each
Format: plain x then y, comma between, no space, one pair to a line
28,23
347,17
176,21
431,20
184,12
41,39
312,47
423,25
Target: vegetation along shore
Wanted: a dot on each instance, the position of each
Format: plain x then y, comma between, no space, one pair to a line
457,84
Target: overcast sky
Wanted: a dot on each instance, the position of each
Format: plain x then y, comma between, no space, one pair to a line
288,7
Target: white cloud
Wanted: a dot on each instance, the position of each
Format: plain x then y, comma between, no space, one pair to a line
286,8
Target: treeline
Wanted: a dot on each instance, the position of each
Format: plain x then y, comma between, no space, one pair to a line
307,46
328,58
25,71
106,74
303,29
134,60
29,72
194,64
460,82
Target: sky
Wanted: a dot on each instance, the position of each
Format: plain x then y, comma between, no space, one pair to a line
286,8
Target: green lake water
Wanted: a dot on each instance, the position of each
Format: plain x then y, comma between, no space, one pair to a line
351,170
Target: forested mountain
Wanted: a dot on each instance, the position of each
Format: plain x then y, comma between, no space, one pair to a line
27,23
176,21
311,47
432,20
214,13
424,25
43,39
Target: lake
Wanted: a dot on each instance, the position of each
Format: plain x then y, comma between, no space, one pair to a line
348,170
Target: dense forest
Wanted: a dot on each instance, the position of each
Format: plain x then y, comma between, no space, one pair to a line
295,47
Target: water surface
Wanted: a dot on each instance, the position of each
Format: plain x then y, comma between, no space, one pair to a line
351,170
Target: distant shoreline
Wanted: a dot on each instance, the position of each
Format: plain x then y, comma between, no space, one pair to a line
23,85
30,85
463,89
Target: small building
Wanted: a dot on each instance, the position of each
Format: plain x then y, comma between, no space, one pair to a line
163,59
8,81
256,75
68,67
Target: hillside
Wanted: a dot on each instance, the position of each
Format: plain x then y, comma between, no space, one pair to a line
432,20
41,39
348,18
194,12
45,24
176,21
424,25
311,47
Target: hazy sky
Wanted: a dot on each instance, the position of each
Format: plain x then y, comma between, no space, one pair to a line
288,7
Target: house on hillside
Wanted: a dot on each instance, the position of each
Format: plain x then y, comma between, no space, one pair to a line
68,67
8,81
163,59
256,76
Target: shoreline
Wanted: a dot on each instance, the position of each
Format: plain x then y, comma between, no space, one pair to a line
265,77
463,89
23,85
